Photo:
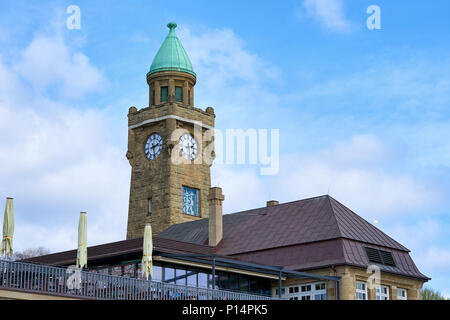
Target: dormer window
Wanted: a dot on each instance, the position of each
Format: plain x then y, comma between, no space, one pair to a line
164,93
179,94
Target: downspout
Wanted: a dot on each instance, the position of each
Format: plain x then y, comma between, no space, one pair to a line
213,272
337,283
279,285
338,289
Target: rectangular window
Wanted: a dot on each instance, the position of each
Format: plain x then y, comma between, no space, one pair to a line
190,201
129,270
117,271
382,293
164,93
192,278
157,273
202,280
401,294
180,277
293,290
179,94
282,292
320,286
169,275
149,213
306,288
189,97
310,291
361,290
210,281
244,285
322,296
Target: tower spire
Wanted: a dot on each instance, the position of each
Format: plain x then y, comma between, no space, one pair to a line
171,56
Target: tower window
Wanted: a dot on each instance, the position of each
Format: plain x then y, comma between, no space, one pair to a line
149,213
189,97
190,201
164,93
179,94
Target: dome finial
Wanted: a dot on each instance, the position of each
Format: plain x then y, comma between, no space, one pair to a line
171,25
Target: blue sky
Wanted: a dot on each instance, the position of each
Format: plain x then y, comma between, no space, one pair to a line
363,114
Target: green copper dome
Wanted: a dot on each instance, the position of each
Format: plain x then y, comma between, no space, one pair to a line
171,56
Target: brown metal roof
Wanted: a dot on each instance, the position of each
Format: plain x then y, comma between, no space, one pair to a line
335,252
122,248
309,220
300,235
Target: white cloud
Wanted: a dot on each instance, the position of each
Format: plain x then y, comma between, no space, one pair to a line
243,188
219,53
353,171
329,13
229,72
57,160
425,233
435,259
48,62
405,101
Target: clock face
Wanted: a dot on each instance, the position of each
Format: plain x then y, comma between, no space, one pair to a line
188,146
153,146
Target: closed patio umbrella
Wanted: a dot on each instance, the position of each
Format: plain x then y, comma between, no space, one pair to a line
82,239
147,251
8,229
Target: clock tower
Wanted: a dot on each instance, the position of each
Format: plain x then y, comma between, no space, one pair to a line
170,147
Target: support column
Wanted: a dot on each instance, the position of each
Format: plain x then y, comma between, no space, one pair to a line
157,93
185,93
171,89
392,292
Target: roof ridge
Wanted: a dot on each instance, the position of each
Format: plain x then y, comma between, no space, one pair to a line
335,203
179,241
334,215
278,205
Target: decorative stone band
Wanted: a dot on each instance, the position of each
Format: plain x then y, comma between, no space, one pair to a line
170,117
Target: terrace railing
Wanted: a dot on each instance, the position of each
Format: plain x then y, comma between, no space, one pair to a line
88,285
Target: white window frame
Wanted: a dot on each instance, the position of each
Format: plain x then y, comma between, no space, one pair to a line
362,291
400,296
295,292
382,292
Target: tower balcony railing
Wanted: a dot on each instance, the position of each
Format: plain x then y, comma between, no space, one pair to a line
73,283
